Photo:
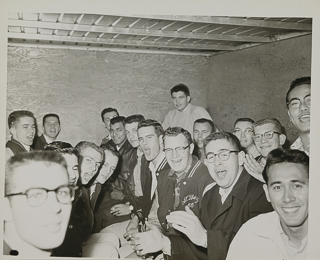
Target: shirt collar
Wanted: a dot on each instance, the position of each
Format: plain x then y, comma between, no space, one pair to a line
229,189
48,140
160,159
185,109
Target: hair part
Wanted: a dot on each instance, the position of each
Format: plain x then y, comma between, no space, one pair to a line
180,87
281,155
231,138
296,83
175,131
205,120
50,115
23,159
108,110
273,121
16,115
134,119
156,125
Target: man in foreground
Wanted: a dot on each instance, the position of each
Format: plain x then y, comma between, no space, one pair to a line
37,204
281,234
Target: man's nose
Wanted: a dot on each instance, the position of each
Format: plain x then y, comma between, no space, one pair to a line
288,195
52,202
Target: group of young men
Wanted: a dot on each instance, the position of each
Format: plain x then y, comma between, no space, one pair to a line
177,190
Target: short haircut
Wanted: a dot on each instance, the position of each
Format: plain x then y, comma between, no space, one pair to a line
108,110
117,119
22,159
243,119
156,125
84,144
57,145
112,149
205,120
296,83
273,121
50,115
231,138
175,131
15,115
134,119
281,155
180,87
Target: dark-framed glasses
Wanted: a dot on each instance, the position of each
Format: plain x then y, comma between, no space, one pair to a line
179,150
38,196
295,103
223,155
267,135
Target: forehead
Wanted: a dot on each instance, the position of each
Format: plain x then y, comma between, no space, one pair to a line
264,128
25,120
117,125
287,172
146,130
175,141
178,94
51,119
202,126
90,152
243,125
39,174
110,114
300,91
130,126
71,159
111,158
218,145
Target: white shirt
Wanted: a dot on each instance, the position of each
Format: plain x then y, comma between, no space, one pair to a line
153,170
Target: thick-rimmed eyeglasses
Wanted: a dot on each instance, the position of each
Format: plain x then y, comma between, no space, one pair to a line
223,155
267,135
38,196
295,103
179,150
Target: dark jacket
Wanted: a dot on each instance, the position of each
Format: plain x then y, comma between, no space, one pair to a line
39,143
222,221
15,146
191,191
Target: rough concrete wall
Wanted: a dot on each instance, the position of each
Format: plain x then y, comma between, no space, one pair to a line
253,82
77,85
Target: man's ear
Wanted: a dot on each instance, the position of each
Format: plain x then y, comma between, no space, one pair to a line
13,131
161,141
191,148
188,99
282,138
289,116
241,157
7,214
265,188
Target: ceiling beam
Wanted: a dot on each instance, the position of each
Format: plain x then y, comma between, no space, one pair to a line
229,21
136,43
131,31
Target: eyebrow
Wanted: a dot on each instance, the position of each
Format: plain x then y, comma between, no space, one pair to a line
296,98
291,181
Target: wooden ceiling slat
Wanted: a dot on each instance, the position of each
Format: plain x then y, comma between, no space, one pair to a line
130,31
79,19
116,21
183,27
40,16
168,25
120,42
132,24
230,21
60,18
97,20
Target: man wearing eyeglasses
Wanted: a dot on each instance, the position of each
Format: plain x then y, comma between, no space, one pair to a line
243,129
236,198
298,101
37,204
268,135
183,186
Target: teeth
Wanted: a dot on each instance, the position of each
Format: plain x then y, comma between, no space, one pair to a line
290,210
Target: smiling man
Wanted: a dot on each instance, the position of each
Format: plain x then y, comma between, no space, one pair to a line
37,204
51,129
298,101
22,126
106,115
184,114
281,234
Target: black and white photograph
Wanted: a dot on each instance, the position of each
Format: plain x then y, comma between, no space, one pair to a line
160,130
